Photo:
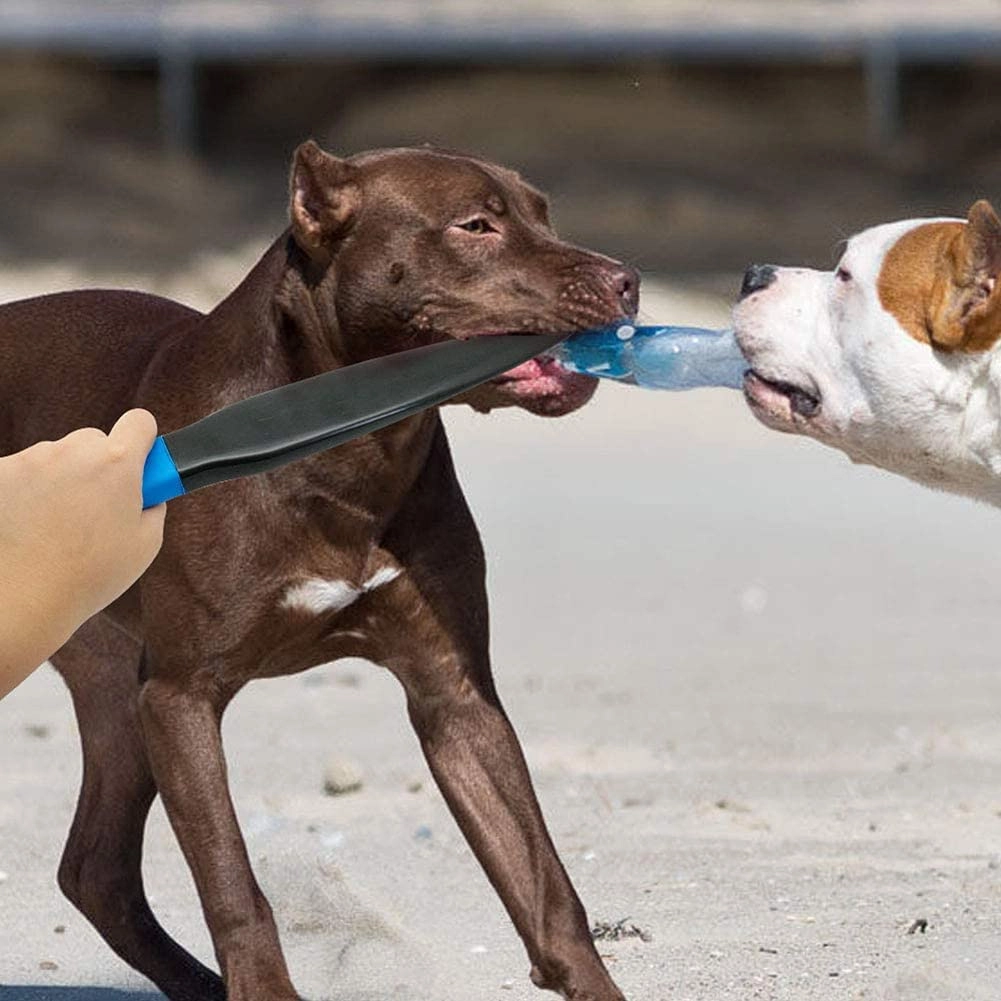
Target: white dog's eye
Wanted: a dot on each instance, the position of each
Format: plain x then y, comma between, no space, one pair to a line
843,275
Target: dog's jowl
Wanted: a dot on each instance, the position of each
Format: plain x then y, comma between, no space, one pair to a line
367,551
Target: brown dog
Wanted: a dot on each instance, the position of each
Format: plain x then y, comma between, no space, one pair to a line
367,551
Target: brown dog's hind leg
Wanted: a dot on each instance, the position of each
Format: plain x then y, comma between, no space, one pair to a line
100,870
181,729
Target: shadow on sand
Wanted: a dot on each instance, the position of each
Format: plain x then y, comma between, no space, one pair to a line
56,992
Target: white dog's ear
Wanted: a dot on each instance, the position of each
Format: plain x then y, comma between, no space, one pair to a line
323,200
981,244
970,317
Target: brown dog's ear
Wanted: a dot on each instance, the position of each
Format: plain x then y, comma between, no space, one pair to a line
324,197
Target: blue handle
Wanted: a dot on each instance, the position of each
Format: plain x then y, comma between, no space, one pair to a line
161,481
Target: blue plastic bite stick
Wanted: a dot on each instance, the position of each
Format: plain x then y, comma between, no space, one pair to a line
268,430
656,357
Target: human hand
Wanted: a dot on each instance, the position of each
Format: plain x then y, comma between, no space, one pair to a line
73,535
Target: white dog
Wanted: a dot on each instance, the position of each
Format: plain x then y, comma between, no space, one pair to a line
892,357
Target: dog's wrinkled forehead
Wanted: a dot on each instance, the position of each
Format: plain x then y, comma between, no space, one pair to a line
443,184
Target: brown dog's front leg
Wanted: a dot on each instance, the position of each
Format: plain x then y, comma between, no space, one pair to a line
101,869
185,750
441,657
477,762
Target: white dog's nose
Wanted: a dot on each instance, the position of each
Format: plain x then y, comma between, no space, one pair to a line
757,277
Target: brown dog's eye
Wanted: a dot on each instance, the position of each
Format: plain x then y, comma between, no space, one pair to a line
479,226
843,275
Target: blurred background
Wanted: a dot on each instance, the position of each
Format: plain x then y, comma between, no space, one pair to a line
758,687
689,137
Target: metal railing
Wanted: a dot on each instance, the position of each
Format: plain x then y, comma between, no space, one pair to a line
181,35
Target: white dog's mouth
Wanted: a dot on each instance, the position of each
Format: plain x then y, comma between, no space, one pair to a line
778,401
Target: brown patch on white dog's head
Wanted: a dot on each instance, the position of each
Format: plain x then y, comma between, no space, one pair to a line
940,280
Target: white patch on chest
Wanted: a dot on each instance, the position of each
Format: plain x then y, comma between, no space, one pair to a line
319,596
380,577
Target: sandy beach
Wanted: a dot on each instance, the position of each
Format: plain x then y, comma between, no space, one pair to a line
757,686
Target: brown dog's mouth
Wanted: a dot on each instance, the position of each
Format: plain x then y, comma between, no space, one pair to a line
534,371
546,384
542,386
541,376
780,400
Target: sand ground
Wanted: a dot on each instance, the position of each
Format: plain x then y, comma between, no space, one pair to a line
758,689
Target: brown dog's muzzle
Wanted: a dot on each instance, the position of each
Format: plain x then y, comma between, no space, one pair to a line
597,293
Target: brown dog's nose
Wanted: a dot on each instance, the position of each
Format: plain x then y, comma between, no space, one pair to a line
757,277
626,282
